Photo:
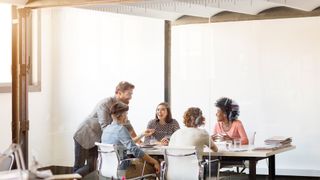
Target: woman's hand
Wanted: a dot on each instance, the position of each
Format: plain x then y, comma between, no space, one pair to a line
226,137
216,137
149,132
164,141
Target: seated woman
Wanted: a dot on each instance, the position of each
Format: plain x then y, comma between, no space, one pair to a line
163,124
116,133
192,135
228,127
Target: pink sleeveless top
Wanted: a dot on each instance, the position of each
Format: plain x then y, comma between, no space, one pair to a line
236,131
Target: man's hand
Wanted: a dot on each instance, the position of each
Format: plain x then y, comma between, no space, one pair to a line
157,167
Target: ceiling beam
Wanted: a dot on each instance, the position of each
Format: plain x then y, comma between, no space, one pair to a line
274,13
15,2
297,4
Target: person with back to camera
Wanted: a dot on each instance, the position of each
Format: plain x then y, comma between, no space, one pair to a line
228,126
163,124
192,135
90,130
118,135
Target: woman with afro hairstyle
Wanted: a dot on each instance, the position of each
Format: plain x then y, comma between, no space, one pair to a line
228,125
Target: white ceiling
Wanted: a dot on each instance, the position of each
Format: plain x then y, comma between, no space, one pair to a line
172,10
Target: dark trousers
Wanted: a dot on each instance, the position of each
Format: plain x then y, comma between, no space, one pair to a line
85,159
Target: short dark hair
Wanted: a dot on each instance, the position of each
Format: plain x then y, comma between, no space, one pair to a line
118,108
169,115
229,107
123,86
191,116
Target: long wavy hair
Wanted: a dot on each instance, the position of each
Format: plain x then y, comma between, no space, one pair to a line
169,115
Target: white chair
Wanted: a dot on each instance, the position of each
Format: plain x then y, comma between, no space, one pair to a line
6,161
109,162
12,153
184,163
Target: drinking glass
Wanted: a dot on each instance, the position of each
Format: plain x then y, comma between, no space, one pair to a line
228,144
237,143
153,140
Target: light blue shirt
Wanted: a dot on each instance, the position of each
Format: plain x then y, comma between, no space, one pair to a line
117,134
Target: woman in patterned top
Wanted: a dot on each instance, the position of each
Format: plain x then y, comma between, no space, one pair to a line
163,124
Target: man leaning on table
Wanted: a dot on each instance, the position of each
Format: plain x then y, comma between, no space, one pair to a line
90,130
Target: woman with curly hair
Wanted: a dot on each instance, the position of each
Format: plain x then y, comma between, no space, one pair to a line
228,126
192,135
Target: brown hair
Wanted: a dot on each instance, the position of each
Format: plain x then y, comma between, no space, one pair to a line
118,108
169,115
191,115
123,86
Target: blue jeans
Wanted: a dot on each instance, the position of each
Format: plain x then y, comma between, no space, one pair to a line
85,159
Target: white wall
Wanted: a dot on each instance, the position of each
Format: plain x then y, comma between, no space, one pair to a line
269,67
5,42
92,52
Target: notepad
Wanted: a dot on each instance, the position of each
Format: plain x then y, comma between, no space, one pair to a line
238,150
65,176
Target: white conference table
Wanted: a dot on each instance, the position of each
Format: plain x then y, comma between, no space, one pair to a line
253,156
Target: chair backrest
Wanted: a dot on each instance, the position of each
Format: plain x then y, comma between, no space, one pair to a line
109,160
14,152
6,162
182,163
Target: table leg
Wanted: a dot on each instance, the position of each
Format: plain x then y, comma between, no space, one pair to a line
252,169
272,167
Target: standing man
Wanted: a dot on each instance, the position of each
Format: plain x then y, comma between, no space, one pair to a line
90,130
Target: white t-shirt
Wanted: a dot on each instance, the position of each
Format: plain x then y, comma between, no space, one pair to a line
190,137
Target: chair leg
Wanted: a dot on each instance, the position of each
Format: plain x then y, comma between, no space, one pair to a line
242,170
144,165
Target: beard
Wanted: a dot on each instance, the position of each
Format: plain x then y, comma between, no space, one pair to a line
126,101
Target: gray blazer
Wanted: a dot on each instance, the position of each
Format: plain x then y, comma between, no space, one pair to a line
90,130
88,133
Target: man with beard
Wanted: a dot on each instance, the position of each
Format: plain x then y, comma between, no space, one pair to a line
90,130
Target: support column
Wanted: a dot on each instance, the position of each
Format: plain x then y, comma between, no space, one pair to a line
21,36
167,62
15,125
